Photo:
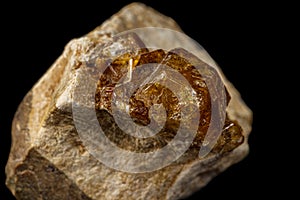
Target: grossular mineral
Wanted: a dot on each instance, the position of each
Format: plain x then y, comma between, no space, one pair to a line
48,159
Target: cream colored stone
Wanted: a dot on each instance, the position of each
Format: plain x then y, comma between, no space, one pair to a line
48,159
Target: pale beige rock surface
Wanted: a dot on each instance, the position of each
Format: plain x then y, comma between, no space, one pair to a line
48,159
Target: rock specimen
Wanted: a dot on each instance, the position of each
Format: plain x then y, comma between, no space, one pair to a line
51,159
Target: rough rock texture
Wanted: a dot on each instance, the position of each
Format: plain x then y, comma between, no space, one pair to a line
49,161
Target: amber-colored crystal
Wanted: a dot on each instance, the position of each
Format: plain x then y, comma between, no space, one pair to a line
155,93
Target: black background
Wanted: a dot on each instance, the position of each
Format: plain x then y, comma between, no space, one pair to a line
238,37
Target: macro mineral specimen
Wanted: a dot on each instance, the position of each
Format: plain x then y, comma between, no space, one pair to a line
49,159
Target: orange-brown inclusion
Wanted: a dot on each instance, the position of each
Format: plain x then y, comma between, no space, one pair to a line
141,101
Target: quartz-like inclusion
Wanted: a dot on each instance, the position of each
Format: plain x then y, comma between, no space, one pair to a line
154,93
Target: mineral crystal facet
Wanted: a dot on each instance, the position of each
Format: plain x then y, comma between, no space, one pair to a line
49,159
